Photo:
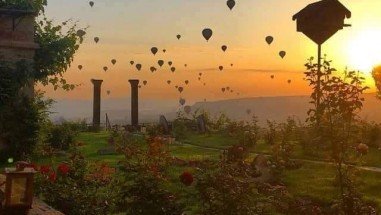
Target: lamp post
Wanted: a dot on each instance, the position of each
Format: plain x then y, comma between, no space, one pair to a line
319,21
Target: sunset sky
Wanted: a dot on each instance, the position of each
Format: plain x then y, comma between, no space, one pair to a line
129,28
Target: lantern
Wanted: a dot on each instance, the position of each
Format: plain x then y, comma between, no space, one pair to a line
18,191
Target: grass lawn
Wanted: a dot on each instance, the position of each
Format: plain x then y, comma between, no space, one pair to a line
313,180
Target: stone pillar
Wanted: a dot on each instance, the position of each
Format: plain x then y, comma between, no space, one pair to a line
97,103
134,102
17,39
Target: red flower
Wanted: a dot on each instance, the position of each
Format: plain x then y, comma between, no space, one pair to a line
53,177
186,178
63,169
45,169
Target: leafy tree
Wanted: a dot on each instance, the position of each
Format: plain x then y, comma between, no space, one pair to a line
341,100
376,73
20,116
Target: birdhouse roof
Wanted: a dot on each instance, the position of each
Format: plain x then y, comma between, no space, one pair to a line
317,7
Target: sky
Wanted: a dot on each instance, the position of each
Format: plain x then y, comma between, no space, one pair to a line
128,29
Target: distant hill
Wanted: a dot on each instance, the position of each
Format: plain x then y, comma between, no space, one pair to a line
279,108
265,108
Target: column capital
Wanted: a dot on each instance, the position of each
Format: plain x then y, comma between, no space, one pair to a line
96,82
134,82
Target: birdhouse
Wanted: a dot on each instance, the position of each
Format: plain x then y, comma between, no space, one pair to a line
18,192
321,20
17,33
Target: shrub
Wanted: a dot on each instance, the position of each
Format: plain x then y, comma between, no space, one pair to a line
143,186
77,187
62,136
230,189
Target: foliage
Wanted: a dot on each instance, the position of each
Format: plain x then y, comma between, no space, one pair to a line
282,152
143,184
36,5
20,117
270,136
61,136
230,189
56,51
77,187
336,120
376,74
371,134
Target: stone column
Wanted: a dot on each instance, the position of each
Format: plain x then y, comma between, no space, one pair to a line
134,102
97,103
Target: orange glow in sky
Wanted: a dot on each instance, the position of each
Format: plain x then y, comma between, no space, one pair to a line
128,29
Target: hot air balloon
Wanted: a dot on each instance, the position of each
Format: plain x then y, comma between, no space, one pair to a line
182,101
139,67
227,88
153,69
180,89
282,54
170,63
220,68
132,62
224,48
145,82
207,33
186,82
269,39
200,74
81,33
178,36
173,69
140,86
105,68
204,84
185,65
108,92
160,62
289,81
231,4
96,39
154,50
231,65
187,109
91,3
80,67
223,89
177,87
272,76
113,61
169,82
164,50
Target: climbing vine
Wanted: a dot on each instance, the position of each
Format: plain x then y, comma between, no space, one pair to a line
20,116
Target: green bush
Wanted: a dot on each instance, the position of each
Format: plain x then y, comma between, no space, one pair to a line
61,137
78,187
230,189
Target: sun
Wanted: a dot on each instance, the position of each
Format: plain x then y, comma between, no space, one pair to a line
364,50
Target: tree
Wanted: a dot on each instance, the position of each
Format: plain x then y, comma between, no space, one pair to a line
20,116
376,73
341,100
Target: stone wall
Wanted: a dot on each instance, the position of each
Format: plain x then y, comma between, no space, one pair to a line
17,42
